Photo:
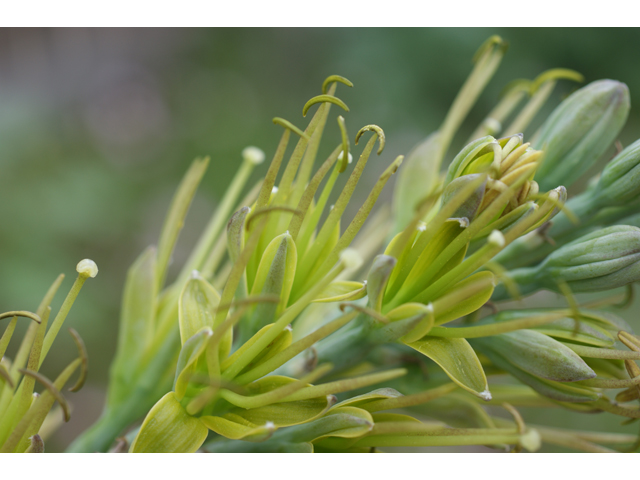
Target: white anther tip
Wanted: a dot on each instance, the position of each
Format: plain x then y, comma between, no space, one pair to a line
496,238
253,155
87,268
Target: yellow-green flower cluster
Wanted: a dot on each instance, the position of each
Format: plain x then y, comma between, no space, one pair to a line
271,321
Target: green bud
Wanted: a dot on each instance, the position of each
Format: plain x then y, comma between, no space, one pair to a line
506,161
605,259
593,256
580,130
540,355
516,362
620,179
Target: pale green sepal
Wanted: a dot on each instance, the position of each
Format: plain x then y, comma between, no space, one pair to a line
238,429
355,423
466,156
168,428
471,205
377,280
197,307
361,401
418,179
282,341
342,291
286,413
458,360
235,233
192,349
139,304
420,316
276,272
477,289
175,217
394,331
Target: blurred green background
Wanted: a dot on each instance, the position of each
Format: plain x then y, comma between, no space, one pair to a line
98,126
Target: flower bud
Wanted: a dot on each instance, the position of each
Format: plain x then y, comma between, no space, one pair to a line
540,362
540,355
598,254
620,179
580,130
605,259
507,162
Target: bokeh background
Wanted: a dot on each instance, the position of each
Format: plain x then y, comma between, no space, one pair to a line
98,126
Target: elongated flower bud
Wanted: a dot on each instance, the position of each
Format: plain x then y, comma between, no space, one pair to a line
600,253
620,179
580,130
605,259
541,362
540,355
